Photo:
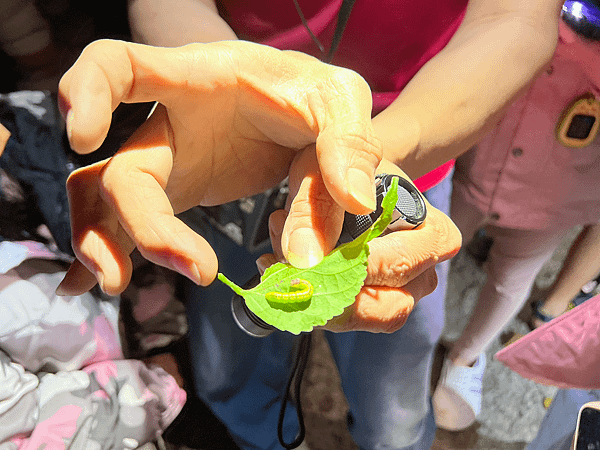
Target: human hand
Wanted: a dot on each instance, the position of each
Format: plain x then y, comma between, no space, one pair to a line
231,117
4,136
401,264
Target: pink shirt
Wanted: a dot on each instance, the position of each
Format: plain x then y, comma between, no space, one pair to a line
520,175
386,41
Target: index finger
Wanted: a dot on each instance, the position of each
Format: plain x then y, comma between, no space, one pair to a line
134,183
290,98
106,74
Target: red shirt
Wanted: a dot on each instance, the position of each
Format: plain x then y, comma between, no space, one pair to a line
385,41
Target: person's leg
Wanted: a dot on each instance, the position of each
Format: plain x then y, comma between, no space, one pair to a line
558,427
515,258
467,218
581,265
386,378
514,261
241,378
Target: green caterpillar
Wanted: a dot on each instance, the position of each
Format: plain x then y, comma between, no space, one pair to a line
304,292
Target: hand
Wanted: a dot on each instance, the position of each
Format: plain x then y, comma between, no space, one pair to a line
231,117
4,136
401,264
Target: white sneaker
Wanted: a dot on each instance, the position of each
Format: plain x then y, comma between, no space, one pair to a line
457,398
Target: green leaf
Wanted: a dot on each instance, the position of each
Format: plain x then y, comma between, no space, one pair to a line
387,204
336,281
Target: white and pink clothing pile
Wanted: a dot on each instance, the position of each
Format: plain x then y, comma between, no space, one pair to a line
64,382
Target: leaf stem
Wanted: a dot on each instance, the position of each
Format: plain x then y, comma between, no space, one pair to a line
238,290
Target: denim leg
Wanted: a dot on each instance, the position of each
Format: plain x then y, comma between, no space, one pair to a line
241,378
558,427
386,378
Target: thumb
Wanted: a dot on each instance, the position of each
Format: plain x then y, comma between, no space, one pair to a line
315,219
348,148
348,158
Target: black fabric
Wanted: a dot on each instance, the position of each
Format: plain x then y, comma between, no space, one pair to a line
35,156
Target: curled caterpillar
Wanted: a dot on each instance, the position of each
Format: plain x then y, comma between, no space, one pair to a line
303,292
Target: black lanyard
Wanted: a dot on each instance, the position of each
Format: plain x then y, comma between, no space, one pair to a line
304,343
342,20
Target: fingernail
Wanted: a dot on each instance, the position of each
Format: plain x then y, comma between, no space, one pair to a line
189,270
69,124
303,249
100,277
60,290
361,188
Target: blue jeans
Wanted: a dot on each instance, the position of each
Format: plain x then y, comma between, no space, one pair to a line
385,377
558,427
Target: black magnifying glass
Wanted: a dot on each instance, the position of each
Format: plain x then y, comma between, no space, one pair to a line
410,212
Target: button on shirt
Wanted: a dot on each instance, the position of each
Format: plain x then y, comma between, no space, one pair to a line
519,175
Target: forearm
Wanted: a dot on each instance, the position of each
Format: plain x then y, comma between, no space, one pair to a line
160,23
461,92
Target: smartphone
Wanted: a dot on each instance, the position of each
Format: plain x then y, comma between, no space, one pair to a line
587,433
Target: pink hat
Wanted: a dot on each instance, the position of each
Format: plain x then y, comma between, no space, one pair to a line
564,352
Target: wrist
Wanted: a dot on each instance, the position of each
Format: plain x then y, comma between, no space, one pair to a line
400,135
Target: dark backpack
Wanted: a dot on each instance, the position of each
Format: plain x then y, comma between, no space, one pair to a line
36,158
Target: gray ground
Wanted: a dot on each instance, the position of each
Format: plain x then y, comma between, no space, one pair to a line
513,407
